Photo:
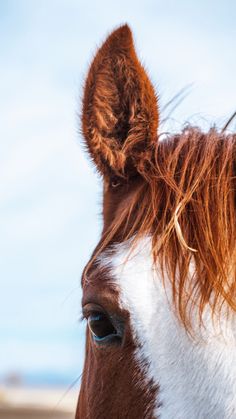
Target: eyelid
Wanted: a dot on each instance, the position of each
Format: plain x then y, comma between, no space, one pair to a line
117,321
91,308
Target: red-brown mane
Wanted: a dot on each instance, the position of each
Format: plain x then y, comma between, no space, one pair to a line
187,206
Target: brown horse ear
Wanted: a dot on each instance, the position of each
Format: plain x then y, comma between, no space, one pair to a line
120,115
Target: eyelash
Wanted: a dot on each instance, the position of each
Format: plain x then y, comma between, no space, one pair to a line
103,329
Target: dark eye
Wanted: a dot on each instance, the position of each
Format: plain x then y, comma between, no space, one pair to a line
104,328
101,326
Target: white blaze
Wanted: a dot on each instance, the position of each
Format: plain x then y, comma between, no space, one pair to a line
197,379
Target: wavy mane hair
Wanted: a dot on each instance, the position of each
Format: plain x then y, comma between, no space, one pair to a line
187,206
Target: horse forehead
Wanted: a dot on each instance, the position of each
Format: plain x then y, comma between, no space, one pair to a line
139,285
133,271
146,292
145,289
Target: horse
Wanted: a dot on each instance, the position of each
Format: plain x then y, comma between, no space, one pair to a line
159,291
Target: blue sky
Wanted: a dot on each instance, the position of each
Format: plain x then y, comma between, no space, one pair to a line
49,193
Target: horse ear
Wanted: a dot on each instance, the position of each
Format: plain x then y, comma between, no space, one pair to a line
120,115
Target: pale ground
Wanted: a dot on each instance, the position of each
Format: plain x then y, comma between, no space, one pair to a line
27,403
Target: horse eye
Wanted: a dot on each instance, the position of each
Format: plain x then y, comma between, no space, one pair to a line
101,327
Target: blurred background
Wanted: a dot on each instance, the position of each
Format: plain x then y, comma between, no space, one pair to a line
50,195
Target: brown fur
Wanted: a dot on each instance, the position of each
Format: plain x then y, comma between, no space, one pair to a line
113,384
180,191
120,115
